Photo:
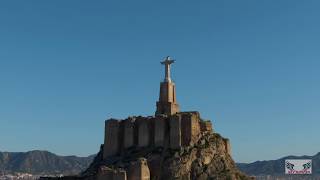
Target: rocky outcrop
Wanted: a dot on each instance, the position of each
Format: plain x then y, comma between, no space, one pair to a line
177,147
172,145
207,159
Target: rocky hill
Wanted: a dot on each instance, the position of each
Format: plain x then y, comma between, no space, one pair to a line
42,162
169,145
200,155
206,159
276,167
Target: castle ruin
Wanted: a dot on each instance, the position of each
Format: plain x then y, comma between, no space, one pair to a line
167,129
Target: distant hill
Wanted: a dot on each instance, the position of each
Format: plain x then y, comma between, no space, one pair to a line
276,167
42,162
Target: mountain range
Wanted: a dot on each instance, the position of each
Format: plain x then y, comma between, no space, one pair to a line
42,162
47,163
276,167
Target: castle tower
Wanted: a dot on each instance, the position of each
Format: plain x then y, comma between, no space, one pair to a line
167,103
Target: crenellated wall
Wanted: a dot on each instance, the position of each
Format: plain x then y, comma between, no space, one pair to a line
138,170
175,131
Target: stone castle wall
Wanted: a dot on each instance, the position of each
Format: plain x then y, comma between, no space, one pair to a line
112,137
176,131
146,134
106,173
138,170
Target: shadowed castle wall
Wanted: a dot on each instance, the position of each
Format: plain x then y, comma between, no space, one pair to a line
180,129
112,138
190,128
175,131
160,126
128,138
139,170
106,173
143,132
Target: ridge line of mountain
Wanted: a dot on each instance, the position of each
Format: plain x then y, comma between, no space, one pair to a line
276,167
38,150
46,162
42,162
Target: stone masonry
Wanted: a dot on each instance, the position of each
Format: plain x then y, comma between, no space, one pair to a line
143,132
168,129
112,132
178,130
160,127
139,170
175,132
106,173
128,137
167,103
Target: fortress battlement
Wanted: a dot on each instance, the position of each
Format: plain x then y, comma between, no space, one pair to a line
171,143
173,131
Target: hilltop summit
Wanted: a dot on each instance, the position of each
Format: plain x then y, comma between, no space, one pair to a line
169,145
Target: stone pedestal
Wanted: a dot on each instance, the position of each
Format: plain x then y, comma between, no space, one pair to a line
167,103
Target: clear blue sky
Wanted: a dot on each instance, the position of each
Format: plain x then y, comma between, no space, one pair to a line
252,67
